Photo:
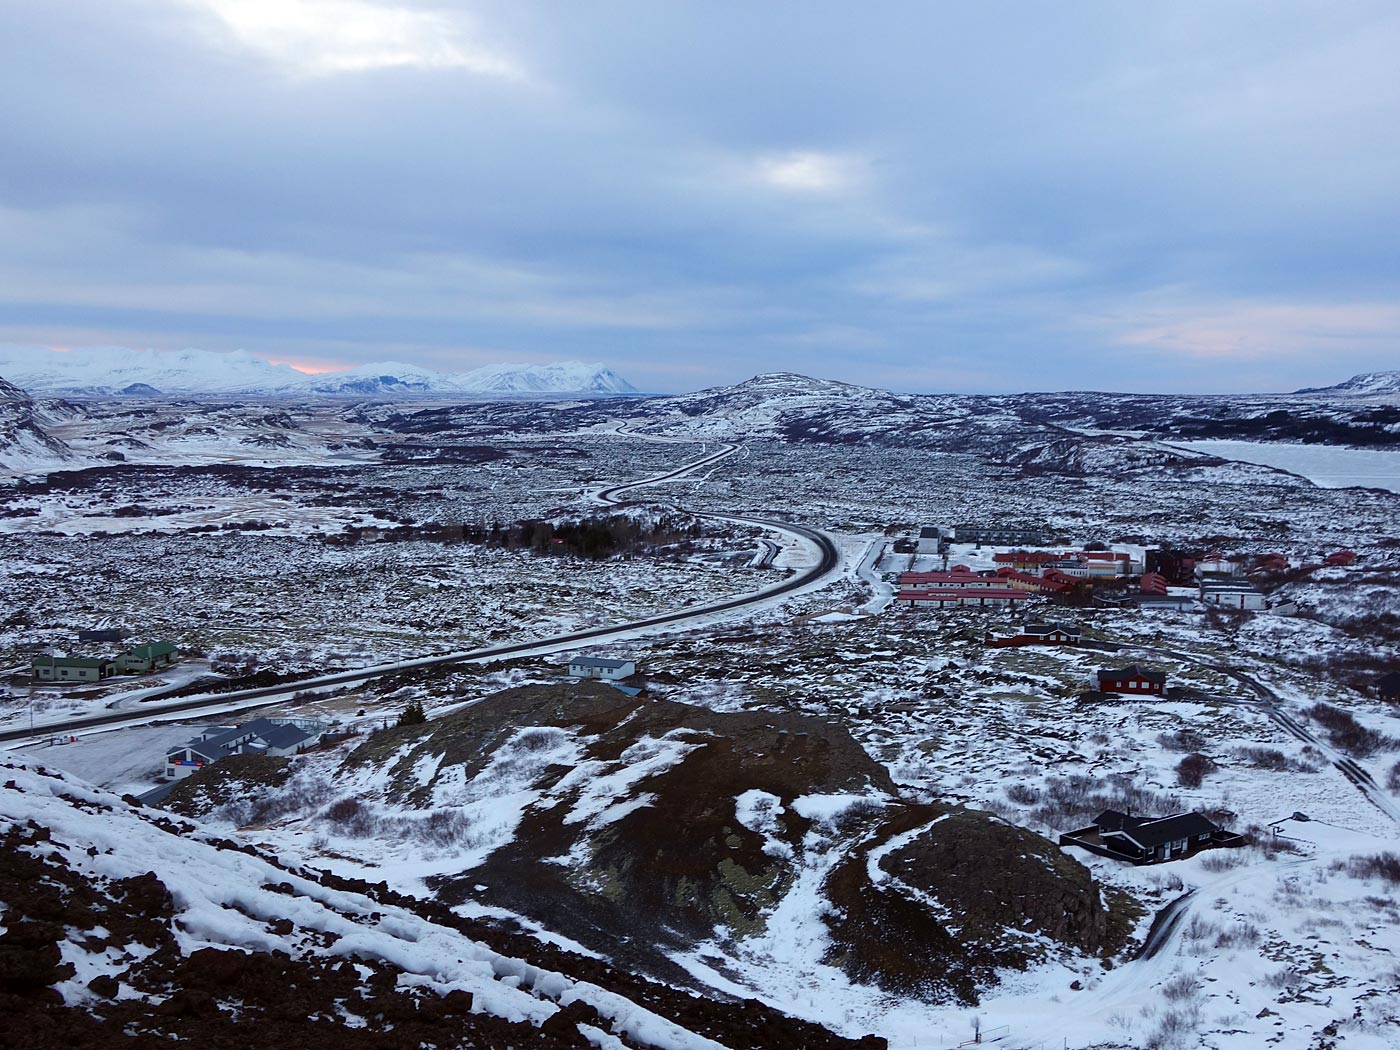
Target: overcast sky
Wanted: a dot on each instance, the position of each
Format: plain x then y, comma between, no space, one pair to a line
927,196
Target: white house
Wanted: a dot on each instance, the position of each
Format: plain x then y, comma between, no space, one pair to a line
601,667
1231,594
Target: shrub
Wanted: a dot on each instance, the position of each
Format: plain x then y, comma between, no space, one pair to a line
1264,758
538,738
1192,769
1182,986
1345,733
1392,779
413,714
1220,861
1385,866
1024,794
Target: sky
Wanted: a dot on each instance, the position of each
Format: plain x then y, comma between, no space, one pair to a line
924,196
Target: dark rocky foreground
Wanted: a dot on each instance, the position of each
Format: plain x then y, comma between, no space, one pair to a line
152,991
680,868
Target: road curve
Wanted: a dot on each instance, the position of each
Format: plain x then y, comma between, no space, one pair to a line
829,560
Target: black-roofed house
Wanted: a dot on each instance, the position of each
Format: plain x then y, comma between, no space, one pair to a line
1132,681
1388,687
140,659
1150,840
608,670
1037,634
262,736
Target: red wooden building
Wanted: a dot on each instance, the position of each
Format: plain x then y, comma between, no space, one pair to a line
1132,681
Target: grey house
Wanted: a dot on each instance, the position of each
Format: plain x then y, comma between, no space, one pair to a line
71,669
601,667
262,736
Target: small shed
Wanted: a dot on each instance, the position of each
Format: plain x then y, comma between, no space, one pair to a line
609,670
104,634
1132,681
141,659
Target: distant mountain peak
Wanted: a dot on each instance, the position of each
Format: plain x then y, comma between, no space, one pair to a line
1363,383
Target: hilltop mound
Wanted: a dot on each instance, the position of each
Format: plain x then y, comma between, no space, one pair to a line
645,828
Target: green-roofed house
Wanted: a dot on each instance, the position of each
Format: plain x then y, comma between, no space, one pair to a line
72,669
141,659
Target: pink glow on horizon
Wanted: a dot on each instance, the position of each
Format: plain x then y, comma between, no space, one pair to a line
312,366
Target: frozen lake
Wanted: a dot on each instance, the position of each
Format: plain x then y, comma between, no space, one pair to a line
1330,466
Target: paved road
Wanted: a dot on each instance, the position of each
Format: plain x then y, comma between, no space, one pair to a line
249,698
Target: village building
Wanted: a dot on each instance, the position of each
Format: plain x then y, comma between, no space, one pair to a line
1036,634
931,539
1025,561
276,737
954,598
142,659
1024,581
104,634
71,669
1233,594
1340,558
1214,563
1000,536
1150,840
1388,687
1132,681
1153,583
1168,602
602,668
958,576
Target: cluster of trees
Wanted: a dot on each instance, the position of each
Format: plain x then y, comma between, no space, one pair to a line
593,537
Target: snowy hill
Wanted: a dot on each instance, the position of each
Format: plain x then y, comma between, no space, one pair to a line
646,828
1370,383
25,443
116,371
124,927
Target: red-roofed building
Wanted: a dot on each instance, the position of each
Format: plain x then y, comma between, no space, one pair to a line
1025,561
984,597
1340,558
1036,634
1024,581
1154,583
944,580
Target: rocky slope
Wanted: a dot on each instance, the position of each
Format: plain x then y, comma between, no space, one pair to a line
121,927
24,440
644,828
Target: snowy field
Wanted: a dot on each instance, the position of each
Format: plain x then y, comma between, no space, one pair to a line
1330,466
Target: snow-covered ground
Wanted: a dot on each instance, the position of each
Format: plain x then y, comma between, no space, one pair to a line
1331,466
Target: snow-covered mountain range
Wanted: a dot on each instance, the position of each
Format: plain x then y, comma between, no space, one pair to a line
117,371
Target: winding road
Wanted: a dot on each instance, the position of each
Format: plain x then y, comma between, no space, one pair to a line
827,562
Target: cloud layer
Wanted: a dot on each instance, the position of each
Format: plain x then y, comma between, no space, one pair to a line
987,197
